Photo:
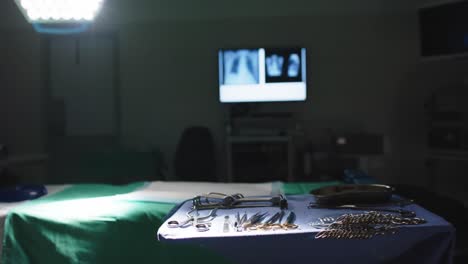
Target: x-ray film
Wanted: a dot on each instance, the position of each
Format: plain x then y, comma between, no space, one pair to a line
262,75
283,65
241,67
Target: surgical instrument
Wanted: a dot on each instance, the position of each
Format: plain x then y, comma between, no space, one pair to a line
322,222
244,218
238,224
202,227
366,225
193,219
289,223
223,201
254,220
281,216
402,212
271,223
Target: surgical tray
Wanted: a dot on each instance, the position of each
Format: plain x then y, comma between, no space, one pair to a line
353,194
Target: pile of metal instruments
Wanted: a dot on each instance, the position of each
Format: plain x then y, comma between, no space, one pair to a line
256,222
362,226
401,212
224,201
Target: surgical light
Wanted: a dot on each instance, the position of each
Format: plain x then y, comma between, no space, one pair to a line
59,11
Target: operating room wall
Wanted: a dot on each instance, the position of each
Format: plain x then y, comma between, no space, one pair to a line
363,76
21,108
21,89
360,67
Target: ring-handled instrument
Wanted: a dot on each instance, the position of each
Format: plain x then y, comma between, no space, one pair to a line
402,212
202,227
224,201
193,219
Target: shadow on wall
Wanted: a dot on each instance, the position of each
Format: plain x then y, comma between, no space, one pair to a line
90,160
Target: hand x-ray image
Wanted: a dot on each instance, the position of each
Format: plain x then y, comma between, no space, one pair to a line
274,65
283,65
241,67
294,63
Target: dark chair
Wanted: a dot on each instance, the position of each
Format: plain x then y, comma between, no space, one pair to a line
195,156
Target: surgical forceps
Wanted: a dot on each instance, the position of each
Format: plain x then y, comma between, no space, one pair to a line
238,224
289,223
254,220
271,223
200,223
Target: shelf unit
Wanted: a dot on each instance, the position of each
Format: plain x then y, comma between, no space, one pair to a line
260,158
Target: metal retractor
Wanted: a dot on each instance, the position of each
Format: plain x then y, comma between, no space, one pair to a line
224,201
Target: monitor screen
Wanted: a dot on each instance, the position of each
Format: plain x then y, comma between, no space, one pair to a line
262,75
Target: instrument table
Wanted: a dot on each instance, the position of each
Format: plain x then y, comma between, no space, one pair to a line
431,242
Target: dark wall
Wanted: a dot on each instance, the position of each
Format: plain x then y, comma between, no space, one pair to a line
357,64
364,72
21,103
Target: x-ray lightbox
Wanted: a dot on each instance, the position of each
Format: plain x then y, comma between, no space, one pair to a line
262,75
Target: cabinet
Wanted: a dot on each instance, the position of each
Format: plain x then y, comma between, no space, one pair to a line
447,120
446,115
260,158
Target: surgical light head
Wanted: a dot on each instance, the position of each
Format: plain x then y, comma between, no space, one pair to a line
59,15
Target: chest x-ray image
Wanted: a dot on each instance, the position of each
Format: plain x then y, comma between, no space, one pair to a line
283,65
241,67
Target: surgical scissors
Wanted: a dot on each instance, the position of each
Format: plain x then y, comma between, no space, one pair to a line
194,220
